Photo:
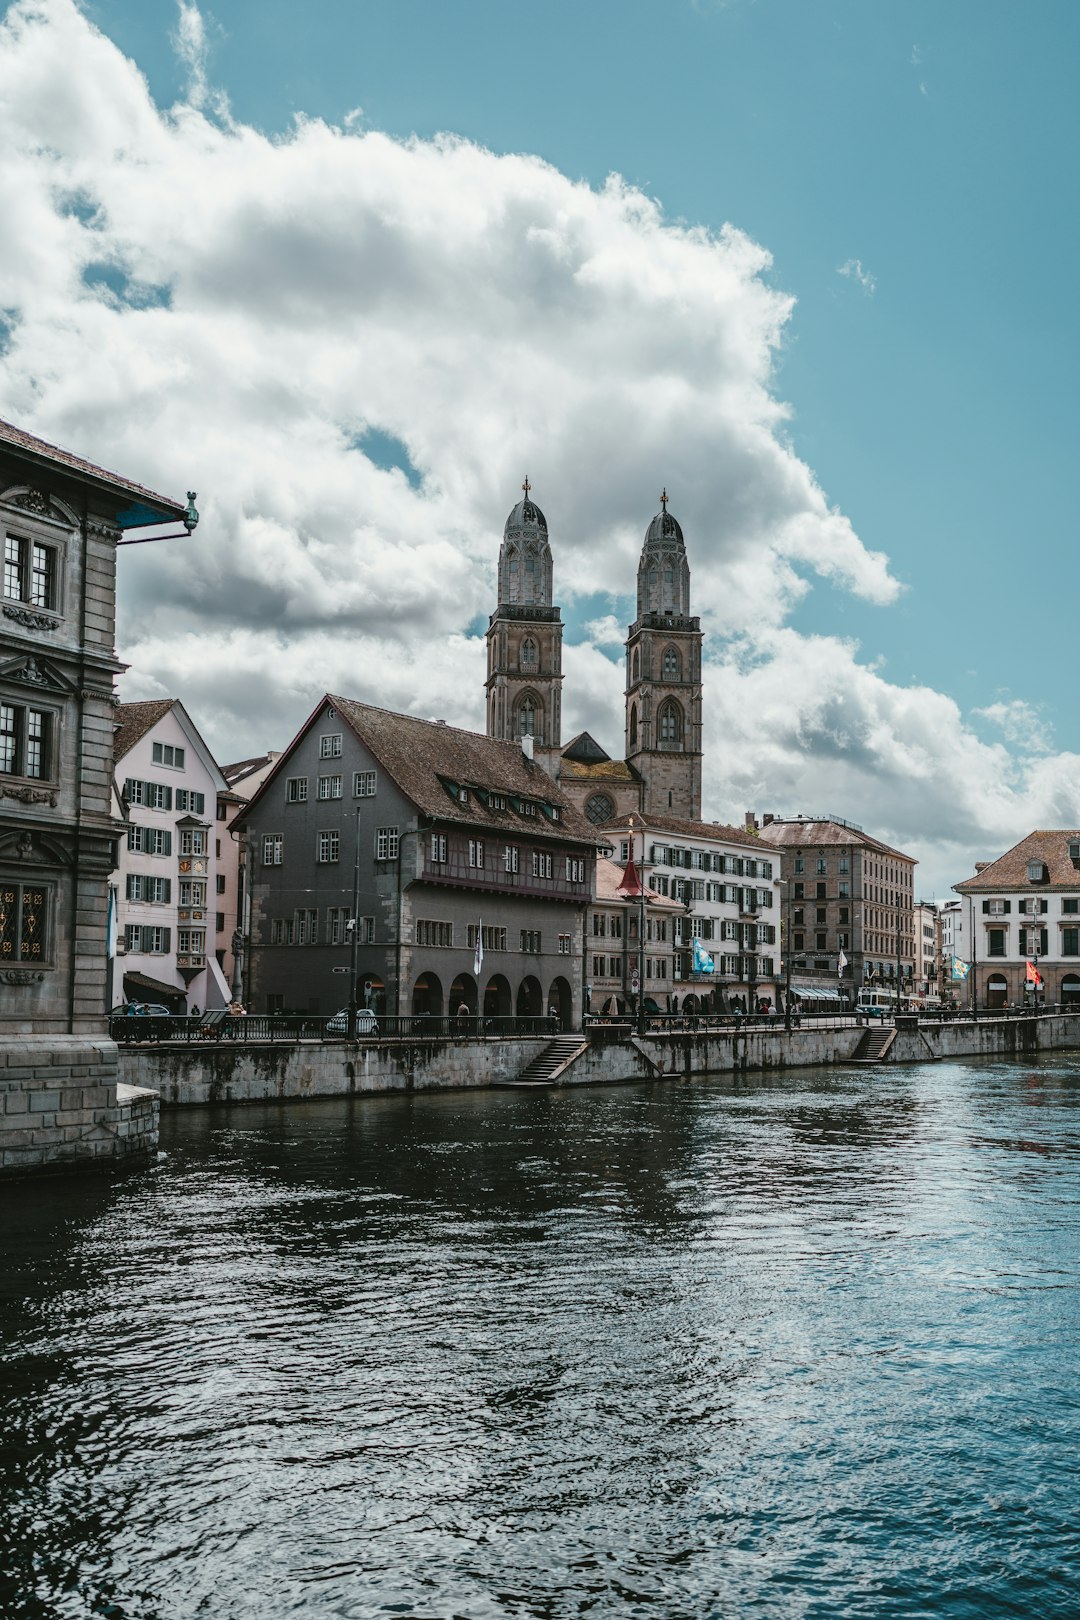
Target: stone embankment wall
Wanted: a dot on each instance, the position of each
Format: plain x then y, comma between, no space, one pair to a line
61,1105
230,1073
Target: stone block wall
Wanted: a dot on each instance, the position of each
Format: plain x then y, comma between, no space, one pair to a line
61,1106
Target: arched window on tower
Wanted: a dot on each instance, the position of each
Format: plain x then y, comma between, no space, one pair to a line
633,724
669,724
635,669
526,716
529,656
672,665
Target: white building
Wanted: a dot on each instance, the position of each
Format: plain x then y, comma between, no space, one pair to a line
1024,908
927,936
166,880
727,882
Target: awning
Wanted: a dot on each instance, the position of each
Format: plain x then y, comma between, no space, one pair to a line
143,981
808,992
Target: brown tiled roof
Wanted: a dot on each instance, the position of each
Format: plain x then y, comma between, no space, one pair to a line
795,834
1009,871
417,754
19,439
608,877
687,829
134,720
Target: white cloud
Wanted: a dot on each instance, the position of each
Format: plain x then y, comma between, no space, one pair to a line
207,308
853,269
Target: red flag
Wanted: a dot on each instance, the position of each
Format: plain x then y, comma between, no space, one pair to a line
1032,975
631,883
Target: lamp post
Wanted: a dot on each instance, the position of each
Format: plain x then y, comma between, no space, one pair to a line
241,936
897,960
354,935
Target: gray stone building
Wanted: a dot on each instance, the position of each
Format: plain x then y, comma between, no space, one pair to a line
62,518
452,834
661,771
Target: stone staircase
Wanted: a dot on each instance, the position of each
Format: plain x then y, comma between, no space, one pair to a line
874,1046
548,1066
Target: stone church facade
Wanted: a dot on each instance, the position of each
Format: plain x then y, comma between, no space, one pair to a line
660,771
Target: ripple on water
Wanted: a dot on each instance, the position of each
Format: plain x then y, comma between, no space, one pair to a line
801,1348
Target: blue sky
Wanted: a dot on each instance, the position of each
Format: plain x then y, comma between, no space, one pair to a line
860,396
936,146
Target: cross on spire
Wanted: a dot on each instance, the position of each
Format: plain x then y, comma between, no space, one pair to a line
526,486
664,497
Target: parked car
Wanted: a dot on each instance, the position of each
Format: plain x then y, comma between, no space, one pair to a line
366,1022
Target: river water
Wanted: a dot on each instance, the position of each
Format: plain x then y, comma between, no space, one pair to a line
794,1347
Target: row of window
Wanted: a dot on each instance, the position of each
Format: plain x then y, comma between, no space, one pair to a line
843,865
160,796
821,941
736,967
302,928
149,940
610,967
1070,906
997,941
703,860
729,894
167,754
330,787
159,840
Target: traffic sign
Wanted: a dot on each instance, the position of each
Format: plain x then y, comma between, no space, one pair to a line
339,970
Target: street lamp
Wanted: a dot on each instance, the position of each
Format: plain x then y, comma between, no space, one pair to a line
354,934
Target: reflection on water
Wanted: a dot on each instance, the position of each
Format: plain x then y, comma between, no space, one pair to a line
790,1348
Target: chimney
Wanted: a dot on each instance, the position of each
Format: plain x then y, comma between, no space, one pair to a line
751,821
527,747
767,820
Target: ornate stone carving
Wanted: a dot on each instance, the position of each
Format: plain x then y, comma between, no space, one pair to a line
24,849
31,672
29,795
22,976
32,621
102,531
33,500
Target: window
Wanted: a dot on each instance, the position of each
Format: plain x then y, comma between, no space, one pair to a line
330,745
192,892
25,741
434,933
219,922
530,656
24,921
1070,905
363,784
154,941
541,864
844,865
327,846
329,787
219,883
192,841
844,891
995,942
530,941
166,754
799,864
476,852
188,799
156,890
1070,942
798,891
438,848
670,723
1028,944
511,858
273,847
222,810
599,808
386,843
366,930
306,924
527,807
159,796
820,894
844,914
564,944
296,790
497,801
29,571
996,908
822,865
672,665
1037,872
798,942
575,869
526,725
336,918
191,942
149,840
494,938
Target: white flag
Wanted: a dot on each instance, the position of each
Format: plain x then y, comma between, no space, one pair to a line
478,957
841,964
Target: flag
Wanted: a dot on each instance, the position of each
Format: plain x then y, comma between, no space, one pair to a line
960,969
478,955
110,926
1032,975
631,883
703,962
841,964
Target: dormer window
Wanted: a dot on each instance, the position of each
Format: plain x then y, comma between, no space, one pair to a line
1037,872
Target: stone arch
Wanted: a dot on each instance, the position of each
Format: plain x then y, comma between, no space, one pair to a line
561,998
997,990
528,715
671,664
1070,990
427,996
530,998
463,994
669,724
498,997
633,724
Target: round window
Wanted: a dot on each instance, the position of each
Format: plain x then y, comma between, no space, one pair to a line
599,808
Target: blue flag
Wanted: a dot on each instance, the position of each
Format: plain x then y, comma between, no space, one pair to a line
960,968
703,962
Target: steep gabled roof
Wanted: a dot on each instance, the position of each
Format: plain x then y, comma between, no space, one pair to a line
585,750
134,720
1050,846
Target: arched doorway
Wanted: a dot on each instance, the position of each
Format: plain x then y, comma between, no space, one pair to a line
370,991
530,998
463,994
1070,992
561,999
997,990
427,996
498,997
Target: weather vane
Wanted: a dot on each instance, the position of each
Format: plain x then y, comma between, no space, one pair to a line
664,497
526,486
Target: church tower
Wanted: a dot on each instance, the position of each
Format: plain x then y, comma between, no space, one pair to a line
663,676
524,639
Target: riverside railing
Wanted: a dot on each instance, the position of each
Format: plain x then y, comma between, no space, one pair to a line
274,1027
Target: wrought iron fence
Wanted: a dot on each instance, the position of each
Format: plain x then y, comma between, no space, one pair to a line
262,1027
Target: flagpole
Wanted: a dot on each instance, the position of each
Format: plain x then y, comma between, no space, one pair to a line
641,930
